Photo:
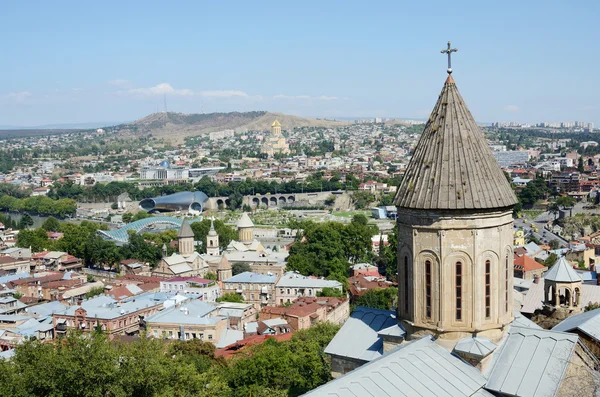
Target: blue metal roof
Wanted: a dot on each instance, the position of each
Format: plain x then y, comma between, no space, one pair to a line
121,235
251,277
419,368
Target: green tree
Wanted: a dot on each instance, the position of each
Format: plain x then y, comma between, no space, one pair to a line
381,298
25,221
331,292
551,260
580,167
94,292
554,244
565,201
51,224
231,297
240,267
226,233
362,199
37,239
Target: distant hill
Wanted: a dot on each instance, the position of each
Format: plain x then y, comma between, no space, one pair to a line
175,127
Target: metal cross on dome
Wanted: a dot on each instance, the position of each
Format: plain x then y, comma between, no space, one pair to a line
449,51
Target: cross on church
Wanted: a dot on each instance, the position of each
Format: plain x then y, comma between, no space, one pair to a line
449,51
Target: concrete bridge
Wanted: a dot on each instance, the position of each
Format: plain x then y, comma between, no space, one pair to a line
279,200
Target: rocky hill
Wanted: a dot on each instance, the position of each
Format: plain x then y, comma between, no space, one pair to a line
175,127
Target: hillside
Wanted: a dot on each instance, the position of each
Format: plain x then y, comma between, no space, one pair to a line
175,127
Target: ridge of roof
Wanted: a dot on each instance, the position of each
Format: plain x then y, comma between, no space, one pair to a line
453,166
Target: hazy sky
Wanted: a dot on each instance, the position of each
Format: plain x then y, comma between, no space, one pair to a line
80,61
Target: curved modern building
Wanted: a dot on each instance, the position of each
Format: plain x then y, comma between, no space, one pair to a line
183,201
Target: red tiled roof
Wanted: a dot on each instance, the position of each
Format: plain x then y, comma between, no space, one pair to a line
234,348
527,264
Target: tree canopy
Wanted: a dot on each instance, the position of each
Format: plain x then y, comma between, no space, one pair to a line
93,366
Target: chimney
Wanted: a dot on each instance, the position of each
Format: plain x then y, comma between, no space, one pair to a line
536,279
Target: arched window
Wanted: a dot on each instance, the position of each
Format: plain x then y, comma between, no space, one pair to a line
406,284
488,296
506,285
458,291
428,289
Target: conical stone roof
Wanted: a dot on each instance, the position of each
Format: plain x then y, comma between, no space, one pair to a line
212,231
245,221
452,166
185,230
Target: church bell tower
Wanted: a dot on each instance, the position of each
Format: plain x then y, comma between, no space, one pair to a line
212,240
455,229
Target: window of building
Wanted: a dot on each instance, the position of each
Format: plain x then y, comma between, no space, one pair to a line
193,335
155,333
288,291
201,336
251,296
458,291
187,335
310,292
488,293
209,336
281,291
506,285
428,288
406,284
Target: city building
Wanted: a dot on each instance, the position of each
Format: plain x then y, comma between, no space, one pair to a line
307,311
190,320
292,286
257,289
275,143
205,290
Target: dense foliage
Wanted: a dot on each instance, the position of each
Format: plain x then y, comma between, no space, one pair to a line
381,298
95,367
41,205
327,249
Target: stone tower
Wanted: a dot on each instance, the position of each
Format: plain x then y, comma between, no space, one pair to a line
245,229
185,238
562,287
276,128
455,230
212,240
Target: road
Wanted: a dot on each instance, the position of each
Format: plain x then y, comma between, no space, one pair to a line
542,235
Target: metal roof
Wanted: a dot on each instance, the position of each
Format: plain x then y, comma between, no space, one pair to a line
453,166
358,337
476,346
192,312
587,322
530,362
419,368
295,280
562,272
251,277
121,235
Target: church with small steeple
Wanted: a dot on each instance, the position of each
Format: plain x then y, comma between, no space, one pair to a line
455,330
275,143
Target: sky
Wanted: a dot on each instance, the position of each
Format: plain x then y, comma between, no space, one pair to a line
113,61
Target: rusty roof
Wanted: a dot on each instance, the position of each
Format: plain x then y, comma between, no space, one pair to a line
452,166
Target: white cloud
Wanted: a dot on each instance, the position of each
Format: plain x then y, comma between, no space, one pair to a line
18,96
511,108
321,98
161,89
120,83
166,88
222,93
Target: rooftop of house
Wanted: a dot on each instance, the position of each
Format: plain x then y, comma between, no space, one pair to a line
295,280
191,312
251,277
